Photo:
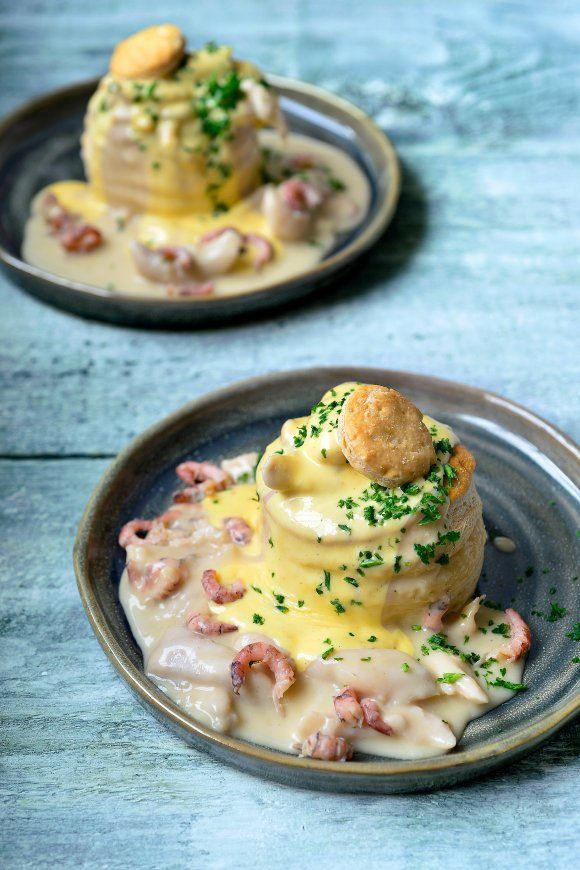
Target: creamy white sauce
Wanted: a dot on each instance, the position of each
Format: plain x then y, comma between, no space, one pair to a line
429,684
111,266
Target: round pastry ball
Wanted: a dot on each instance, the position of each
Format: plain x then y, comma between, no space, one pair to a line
383,436
149,53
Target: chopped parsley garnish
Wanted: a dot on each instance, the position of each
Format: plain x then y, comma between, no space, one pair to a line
366,559
327,653
397,565
443,446
439,641
338,606
372,638
300,436
366,659
426,552
502,629
257,619
336,183
344,528
574,634
556,613
300,603
405,667
351,580
256,589
449,678
505,684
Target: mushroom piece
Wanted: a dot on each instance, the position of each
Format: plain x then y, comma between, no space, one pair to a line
383,436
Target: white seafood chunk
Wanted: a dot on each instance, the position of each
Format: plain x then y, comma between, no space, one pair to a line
420,727
214,704
382,677
441,663
181,656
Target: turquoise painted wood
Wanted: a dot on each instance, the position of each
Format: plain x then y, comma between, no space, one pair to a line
477,280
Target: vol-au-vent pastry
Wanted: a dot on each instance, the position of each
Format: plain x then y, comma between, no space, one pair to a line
195,187
319,598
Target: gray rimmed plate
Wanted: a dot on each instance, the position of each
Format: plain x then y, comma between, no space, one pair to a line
39,144
527,475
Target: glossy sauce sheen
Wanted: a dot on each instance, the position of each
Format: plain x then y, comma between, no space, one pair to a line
294,571
111,266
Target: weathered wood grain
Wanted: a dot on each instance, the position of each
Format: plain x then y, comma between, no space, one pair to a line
477,280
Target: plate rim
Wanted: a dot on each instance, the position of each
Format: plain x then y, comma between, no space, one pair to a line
360,775
319,272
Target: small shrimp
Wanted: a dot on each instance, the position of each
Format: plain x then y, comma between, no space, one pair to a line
134,573
238,530
192,472
166,265
74,236
221,594
263,249
218,250
201,623
285,223
188,494
326,747
520,639
266,654
53,213
348,708
433,619
129,534
203,478
80,238
301,195
373,718
163,577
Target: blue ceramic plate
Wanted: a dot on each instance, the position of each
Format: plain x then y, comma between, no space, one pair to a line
39,144
527,475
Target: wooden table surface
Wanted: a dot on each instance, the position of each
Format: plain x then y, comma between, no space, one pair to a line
476,281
